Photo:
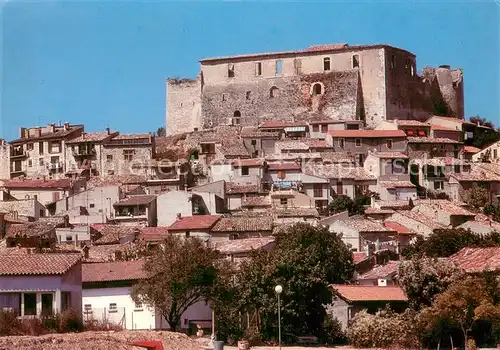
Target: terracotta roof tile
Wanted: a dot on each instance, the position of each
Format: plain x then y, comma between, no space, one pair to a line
35,183
388,270
471,149
135,200
337,157
115,180
365,225
372,210
337,171
253,162
367,133
154,234
284,166
195,222
355,293
280,125
243,224
41,227
37,264
439,161
421,218
255,201
443,128
243,245
477,173
474,260
403,122
291,145
113,271
389,155
92,137
60,133
296,212
396,184
258,134
395,205
316,143
233,150
107,252
443,205
423,139
232,188
400,229
359,257
114,233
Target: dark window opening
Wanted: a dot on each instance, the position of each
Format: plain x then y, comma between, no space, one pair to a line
273,92
279,67
341,143
223,97
317,90
315,128
258,68
283,201
245,171
326,63
248,95
357,142
317,190
389,144
393,61
230,70
236,118
355,61
29,304
324,127
254,142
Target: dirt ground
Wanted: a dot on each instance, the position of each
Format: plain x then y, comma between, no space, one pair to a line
98,340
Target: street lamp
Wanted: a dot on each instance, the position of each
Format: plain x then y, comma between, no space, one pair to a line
278,289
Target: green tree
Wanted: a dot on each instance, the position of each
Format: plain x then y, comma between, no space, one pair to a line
341,203
463,303
161,132
481,121
180,272
477,197
306,261
424,278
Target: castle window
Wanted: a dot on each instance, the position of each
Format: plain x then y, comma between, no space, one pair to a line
230,70
393,61
258,68
236,118
273,92
279,67
355,61
248,95
224,97
326,63
317,90
412,70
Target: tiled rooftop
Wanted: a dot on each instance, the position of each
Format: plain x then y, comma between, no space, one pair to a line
471,149
39,228
439,161
412,139
284,166
388,270
476,260
39,183
403,122
59,133
316,143
135,200
337,157
355,293
291,145
389,155
252,162
280,125
243,224
243,245
37,264
256,201
477,173
232,188
396,184
91,137
365,225
233,150
113,271
444,205
132,136
107,252
195,222
396,205
296,212
421,218
154,234
400,229
337,171
115,180
112,234
367,133
255,133
373,210
359,257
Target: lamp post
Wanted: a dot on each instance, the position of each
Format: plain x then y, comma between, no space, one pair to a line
278,289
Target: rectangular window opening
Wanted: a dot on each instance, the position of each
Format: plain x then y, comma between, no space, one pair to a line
326,63
279,67
355,61
258,68
245,171
230,70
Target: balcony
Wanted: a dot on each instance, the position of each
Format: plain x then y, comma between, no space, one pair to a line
55,166
18,154
83,152
17,171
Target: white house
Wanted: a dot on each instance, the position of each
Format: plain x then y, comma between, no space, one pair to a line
106,295
36,283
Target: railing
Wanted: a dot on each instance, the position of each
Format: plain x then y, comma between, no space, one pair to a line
84,152
54,166
115,316
18,154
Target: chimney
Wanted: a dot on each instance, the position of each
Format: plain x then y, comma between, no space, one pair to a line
108,131
369,250
86,252
66,126
179,216
38,132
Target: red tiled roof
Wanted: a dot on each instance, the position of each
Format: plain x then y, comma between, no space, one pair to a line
243,245
369,293
113,233
59,133
316,143
195,222
37,264
471,149
113,271
154,234
461,121
367,133
382,271
135,200
38,183
359,257
248,162
443,128
232,188
398,227
474,260
424,139
92,137
373,210
243,224
284,166
279,125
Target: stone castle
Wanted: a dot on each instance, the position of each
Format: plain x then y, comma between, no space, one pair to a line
340,82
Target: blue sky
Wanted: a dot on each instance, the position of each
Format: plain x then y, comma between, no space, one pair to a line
105,64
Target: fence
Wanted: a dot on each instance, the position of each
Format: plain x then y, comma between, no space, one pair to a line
115,316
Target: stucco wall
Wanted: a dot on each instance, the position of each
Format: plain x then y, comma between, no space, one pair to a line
169,204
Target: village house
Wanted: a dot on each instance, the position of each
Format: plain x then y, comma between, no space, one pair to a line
469,130
361,142
35,284
440,131
76,234
153,235
107,296
128,154
46,191
291,215
319,128
194,226
259,143
85,153
257,203
41,151
351,299
137,209
410,127
105,234
470,153
237,194
477,260
239,227
291,130
443,211
378,213
380,275
291,199
237,250
479,175
416,221
36,234
23,209
430,147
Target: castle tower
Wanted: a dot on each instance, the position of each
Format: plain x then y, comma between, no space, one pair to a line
451,86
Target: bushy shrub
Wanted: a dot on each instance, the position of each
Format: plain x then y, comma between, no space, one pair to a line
10,324
332,333
101,325
384,329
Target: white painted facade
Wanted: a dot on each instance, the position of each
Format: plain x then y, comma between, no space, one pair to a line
118,300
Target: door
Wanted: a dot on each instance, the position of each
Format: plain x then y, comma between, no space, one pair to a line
47,304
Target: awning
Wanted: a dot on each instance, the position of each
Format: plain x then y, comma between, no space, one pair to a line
421,133
410,133
295,129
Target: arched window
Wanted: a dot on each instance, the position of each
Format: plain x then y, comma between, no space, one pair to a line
317,90
273,92
236,118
